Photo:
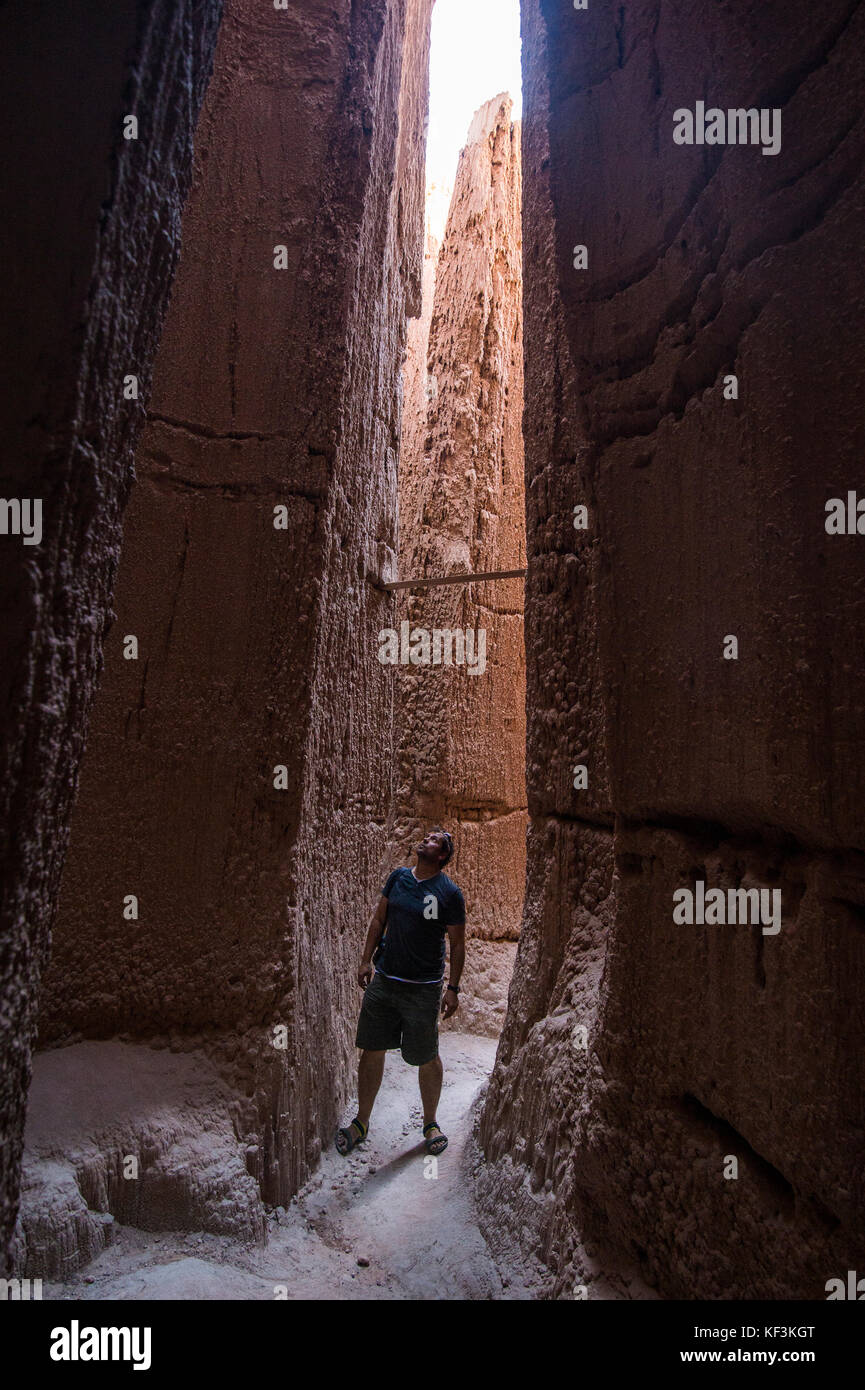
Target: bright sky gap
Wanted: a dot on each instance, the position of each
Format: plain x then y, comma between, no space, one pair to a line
476,53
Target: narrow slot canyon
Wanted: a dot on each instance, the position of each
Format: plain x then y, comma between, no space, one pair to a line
460,731
282,393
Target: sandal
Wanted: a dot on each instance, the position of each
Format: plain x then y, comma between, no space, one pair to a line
346,1141
438,1143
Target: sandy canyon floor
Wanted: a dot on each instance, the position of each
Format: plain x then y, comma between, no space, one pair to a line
410,1221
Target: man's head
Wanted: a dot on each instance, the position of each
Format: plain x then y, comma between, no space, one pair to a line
436,847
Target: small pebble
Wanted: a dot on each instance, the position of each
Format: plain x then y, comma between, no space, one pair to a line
363,1261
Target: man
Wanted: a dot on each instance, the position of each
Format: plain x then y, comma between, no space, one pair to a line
401,974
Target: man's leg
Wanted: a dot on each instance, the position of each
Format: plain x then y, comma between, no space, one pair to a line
378,1028
369,1074
420,1016
430,1079
370,1070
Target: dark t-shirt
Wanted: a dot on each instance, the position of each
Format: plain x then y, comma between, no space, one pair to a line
418,916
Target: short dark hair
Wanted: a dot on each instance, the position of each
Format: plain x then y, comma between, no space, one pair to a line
449,843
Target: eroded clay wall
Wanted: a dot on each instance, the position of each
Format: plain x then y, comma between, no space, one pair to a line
239,775
706,520
462,730
91,235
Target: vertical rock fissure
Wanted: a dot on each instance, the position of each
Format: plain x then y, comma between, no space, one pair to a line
461,733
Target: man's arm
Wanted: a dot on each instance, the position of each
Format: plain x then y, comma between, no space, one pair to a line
373,937
457,938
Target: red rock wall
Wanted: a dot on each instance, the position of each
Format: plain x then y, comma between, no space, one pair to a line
706,519
91,234
418,391
256,645
462,740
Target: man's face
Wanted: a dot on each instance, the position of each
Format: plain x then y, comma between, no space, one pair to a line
433,846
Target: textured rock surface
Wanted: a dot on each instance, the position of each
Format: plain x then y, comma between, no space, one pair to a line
484,989
706,519
94,1107
256,645
91,232
462,736
418,394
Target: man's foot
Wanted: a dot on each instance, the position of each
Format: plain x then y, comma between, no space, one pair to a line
435,1141
349,1138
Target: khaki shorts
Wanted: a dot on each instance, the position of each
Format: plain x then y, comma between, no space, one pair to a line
396,1013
